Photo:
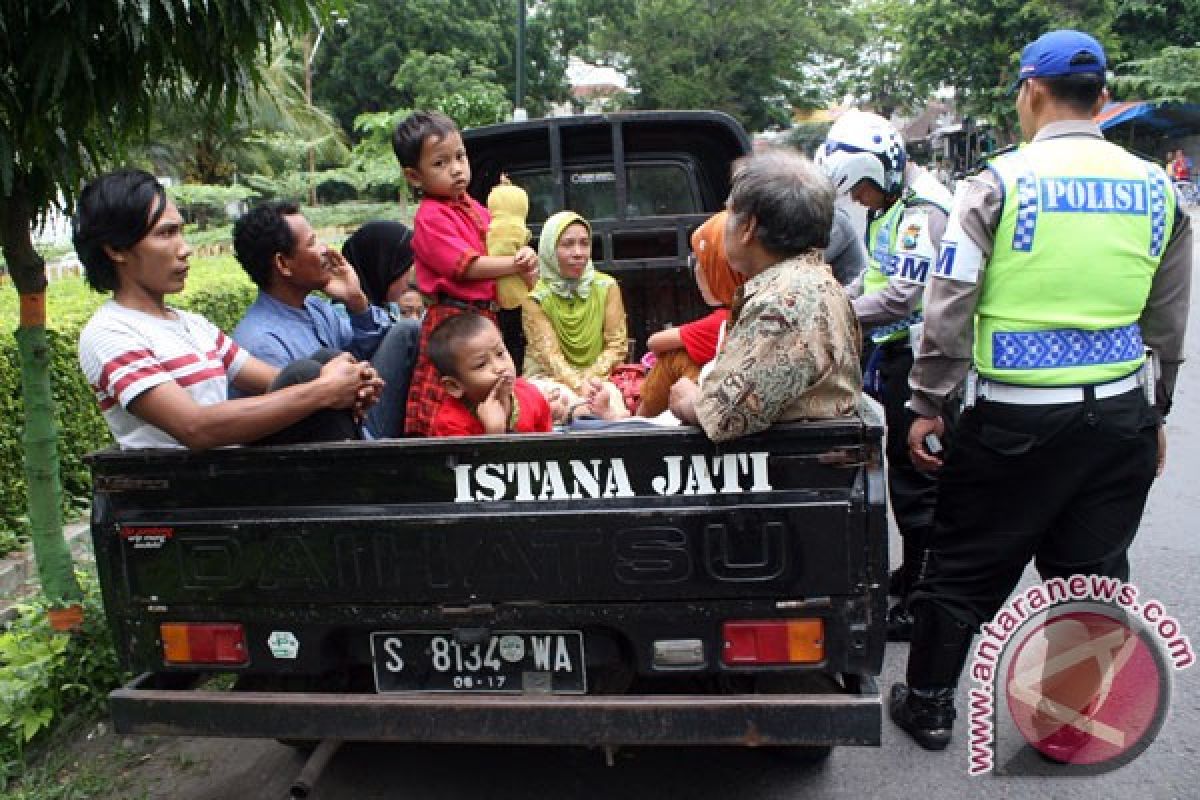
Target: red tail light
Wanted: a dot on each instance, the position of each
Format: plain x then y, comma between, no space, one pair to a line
773,641
203,643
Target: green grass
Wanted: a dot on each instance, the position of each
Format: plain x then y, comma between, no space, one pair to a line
61,772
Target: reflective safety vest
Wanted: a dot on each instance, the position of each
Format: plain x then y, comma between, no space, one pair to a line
1082,231
901,254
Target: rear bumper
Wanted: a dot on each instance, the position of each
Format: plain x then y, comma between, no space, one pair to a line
747,719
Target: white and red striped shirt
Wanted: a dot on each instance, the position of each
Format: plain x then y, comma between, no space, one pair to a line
123,353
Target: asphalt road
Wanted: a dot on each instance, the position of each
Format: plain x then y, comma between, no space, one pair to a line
1166,561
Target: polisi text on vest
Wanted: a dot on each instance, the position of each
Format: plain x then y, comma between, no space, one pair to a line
1094,195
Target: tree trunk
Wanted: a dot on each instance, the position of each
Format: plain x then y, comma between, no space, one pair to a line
40,440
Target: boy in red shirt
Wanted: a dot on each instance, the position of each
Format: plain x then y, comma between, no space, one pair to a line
483,393
453,270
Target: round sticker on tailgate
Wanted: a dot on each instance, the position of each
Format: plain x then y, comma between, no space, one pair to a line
283,644
512,648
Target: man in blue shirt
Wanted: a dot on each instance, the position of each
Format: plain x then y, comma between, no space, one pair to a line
280,252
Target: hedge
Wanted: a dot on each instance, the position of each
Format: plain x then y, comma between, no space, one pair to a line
217,288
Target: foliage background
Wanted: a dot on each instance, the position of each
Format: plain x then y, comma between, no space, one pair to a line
46,676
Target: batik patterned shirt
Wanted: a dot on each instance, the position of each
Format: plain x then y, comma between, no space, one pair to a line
791,353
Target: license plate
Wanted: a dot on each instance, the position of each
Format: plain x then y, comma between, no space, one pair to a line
508,661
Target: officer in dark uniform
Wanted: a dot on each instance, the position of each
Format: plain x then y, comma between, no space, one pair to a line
907,207
1061,263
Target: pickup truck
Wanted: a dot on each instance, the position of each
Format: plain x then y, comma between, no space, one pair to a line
636,586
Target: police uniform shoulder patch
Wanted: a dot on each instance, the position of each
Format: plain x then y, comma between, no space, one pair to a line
914,252
914,232
960,258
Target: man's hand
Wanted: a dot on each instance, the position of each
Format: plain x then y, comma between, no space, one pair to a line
342,379
682,402
526,262
369,392
922,459
494,409
344,285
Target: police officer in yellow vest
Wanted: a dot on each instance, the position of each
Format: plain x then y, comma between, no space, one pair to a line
864,156
1061,264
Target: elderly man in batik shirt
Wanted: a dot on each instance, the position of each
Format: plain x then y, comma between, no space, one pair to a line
792,348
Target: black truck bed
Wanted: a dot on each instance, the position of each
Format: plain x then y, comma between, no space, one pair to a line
625,539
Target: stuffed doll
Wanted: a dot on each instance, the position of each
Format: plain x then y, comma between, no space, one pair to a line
509,205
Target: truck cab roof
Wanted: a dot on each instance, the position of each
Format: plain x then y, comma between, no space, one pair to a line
644,180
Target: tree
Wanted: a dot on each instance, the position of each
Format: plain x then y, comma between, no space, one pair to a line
78,79
454,84
272,121
752,58
1145,27
356,69
869,39
974,46
200,202
1173,76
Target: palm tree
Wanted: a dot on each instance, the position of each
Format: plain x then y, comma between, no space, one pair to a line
271,124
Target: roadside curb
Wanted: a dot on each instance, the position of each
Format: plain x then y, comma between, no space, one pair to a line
18,571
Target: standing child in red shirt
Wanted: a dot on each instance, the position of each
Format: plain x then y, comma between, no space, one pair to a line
453,270
484,394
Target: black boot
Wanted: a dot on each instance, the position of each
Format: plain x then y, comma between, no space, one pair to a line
925,714
924,708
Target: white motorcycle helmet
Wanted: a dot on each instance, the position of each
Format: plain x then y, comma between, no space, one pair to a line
863,146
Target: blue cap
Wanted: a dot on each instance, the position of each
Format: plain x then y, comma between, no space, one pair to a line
1062,52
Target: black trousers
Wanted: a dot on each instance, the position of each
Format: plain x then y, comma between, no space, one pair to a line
912,493
1064,485
325,425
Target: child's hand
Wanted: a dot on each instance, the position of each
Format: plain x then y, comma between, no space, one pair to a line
526,262
494,409
558,404
526,258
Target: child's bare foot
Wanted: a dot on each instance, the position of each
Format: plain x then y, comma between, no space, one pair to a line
600,400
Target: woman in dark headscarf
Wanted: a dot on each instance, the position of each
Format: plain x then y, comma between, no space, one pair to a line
381,253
